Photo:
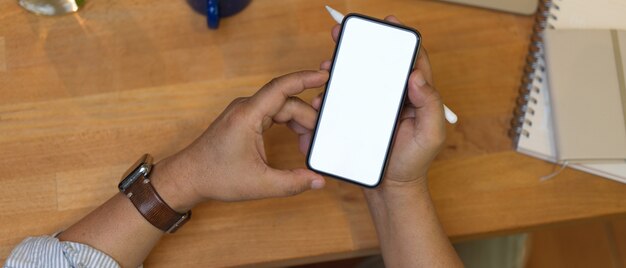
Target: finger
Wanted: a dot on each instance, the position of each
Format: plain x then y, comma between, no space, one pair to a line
304,142
423,64
317,101
334,32
269,100
407,112
304,135
295,109
392,18
297,128
325,65
429,116
292,182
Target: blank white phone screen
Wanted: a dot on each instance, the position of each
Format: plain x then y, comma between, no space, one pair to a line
363,98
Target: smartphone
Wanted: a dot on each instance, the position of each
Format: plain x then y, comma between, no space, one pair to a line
363,100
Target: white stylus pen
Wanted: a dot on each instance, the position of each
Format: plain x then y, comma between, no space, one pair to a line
338,17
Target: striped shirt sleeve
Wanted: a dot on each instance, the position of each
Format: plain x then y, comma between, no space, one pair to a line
48,251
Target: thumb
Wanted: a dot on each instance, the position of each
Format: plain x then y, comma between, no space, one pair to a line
293,182
427,102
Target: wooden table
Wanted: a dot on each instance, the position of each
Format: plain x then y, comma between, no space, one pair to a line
82,96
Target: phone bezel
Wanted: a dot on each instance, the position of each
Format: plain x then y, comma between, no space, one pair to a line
398,110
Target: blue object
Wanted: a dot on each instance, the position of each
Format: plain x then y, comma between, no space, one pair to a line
217,9
212,13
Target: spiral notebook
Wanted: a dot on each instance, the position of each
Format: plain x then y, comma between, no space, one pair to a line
532,126
585,68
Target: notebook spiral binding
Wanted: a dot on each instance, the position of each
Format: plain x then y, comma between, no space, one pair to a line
533,72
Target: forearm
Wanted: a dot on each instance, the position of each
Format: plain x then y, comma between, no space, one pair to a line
408,228
118,229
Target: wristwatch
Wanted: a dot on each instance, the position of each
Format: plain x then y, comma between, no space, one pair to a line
137,187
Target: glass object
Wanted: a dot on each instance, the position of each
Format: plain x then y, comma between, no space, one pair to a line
51,7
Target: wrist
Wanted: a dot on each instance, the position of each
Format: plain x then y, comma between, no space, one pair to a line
393,194
391,188
170,182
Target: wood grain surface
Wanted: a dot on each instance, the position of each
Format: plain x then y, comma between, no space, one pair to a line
82,96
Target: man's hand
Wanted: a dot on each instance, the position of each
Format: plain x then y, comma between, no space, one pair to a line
228,161
408,229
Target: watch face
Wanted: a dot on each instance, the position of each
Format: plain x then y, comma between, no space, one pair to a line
141,167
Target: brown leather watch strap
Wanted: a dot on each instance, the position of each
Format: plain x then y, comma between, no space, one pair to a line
152,207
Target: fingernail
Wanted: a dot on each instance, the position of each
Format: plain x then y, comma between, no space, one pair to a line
317,184
419,80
